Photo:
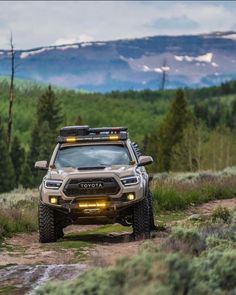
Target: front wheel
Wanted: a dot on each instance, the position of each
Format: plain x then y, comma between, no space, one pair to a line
141,220
47,227
151,214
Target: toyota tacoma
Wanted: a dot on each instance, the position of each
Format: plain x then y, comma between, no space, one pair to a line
95,176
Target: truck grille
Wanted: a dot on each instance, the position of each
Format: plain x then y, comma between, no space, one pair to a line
91,186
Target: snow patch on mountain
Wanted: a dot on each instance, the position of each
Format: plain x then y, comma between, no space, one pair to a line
157,70
34,52
65,47
100,43
86,44
214,64
230,36
201,58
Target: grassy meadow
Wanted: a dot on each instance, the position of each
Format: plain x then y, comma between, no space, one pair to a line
172,194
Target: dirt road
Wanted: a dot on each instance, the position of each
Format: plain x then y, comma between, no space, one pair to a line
26,264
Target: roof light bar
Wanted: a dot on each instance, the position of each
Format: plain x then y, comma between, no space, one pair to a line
71,139
72,134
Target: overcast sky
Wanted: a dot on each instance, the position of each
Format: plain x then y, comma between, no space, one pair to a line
43,23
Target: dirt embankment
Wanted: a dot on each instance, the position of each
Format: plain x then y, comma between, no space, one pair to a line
25,264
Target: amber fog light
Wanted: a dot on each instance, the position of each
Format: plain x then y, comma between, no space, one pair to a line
53,200
130,197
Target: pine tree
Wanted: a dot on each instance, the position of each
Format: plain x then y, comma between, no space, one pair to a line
47,145
32,178
26,178
17,157
171,130
49,109
7,175
79,121
231,116
43,137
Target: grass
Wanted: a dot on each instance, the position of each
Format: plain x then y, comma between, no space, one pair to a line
173,195
19,217
106,229
194,259
168,216
7,290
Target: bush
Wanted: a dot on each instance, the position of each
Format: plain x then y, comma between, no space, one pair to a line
187,240
221,213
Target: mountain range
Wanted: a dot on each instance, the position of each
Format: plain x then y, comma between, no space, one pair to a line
187,61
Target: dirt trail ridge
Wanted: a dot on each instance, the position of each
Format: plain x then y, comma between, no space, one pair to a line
25,264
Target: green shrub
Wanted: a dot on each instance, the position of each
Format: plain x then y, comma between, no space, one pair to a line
187,240
221,213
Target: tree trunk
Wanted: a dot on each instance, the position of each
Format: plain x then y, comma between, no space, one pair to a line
11,94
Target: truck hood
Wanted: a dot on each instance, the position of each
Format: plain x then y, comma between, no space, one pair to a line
120,171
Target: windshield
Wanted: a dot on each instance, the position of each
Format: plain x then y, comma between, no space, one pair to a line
92,156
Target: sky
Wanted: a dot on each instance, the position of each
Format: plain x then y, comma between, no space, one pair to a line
44,23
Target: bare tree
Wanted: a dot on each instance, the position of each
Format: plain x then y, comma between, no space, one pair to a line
11,92
164,69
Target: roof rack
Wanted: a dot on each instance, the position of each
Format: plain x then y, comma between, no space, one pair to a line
108,129
70,134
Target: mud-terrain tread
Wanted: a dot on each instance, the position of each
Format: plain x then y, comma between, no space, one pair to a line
47,228
59,219
141,222
151,215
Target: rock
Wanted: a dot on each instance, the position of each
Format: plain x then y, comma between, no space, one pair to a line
195,217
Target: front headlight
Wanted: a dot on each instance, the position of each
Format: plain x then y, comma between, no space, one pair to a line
129,180
52,184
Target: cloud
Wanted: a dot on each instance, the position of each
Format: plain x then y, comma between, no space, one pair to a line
174,23
42,23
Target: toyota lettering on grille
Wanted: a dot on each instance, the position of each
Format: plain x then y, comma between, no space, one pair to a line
89,185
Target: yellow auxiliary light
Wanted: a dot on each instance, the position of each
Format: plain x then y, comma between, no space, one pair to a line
130,197
93,205
114,137
53,200
71,139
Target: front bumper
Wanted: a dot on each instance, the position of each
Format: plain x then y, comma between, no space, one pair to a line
113,203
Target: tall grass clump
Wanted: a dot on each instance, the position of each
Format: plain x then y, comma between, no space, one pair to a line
17,218
172,194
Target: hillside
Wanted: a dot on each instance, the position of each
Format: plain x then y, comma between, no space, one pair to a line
193,61
140,111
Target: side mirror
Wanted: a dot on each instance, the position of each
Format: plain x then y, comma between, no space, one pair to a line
42,165
145,160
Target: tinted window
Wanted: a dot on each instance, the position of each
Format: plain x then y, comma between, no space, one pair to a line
92,156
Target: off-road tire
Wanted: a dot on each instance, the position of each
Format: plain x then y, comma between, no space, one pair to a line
151,215
59,221
141,220
47,227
